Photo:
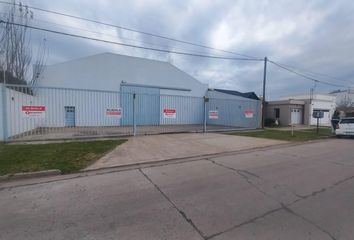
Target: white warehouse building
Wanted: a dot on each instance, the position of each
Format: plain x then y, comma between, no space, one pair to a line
111,90
114,72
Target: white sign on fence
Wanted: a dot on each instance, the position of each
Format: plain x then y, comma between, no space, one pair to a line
213,114
248,113
169,113
33,111
114,112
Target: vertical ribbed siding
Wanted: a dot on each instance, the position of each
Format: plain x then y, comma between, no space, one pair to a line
91,118
90,110
232,112
189,110
147,104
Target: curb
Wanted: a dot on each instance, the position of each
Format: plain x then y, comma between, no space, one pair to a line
7,183
167,161
122,136
161,162
26,175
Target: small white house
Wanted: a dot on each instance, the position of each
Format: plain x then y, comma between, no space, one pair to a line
298,109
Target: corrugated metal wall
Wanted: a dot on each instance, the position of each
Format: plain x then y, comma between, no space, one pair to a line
150,105
233,113
91,116
147,104
189,110
232,110
16,123
90,106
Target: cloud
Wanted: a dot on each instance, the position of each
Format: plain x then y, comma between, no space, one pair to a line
315,35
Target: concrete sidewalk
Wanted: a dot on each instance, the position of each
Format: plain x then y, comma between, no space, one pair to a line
170,146
292,192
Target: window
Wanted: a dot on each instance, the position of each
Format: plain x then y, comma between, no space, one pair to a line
347,120
321,110
277,112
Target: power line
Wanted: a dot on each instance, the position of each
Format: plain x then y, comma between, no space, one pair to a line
314,73
128,45
305,76
248,57
173,52
109,35
129,29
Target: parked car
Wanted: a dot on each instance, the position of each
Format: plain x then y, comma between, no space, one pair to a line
345,127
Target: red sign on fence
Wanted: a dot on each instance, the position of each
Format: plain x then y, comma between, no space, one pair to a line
213,114
33,111
169,113
248,113
114,112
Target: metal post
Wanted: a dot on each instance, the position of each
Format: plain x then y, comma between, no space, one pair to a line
318,119
205,113
4,108
264,88
134,117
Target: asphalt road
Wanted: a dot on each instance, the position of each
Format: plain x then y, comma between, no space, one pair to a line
294,192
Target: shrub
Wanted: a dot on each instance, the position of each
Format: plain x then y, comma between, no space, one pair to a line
269,122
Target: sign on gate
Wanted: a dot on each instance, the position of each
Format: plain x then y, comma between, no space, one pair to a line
33,111
169,113
114,112
248,113
213,114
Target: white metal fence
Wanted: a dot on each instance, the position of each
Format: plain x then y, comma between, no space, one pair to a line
44,113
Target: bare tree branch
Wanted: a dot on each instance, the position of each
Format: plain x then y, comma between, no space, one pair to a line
39,64
16,47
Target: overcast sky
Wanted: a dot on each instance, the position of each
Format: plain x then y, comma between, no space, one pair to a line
313,35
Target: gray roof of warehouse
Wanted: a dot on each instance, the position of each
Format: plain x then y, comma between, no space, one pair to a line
250,95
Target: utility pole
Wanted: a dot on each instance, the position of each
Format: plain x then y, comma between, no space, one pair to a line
4,103
264,88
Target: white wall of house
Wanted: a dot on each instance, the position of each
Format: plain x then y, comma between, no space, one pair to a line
327,106
305,96
285,111
107,71
324,102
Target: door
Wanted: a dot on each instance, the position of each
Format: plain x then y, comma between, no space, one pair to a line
296,116
147,105
69,116
326,120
